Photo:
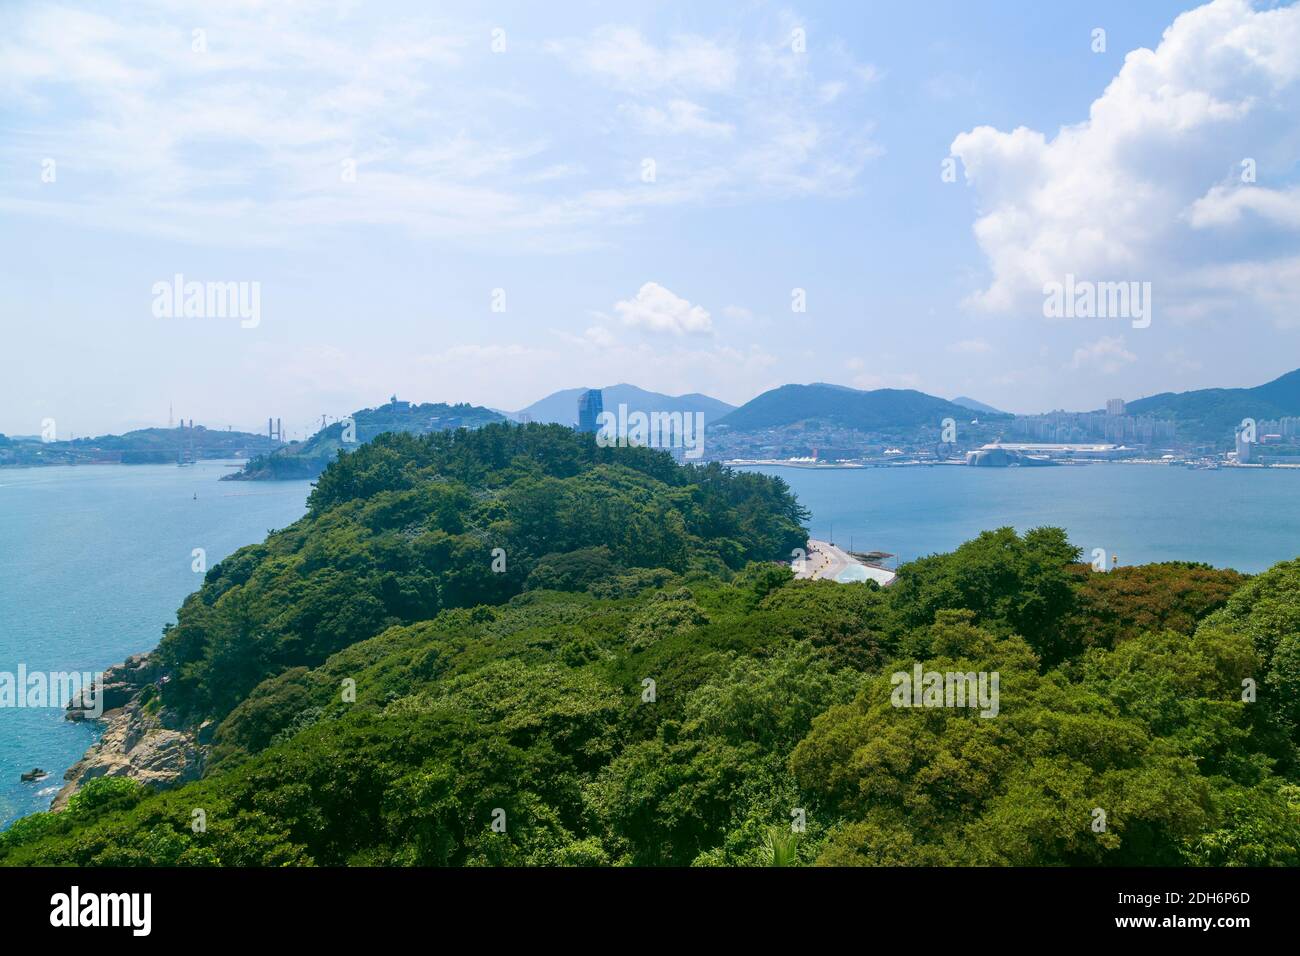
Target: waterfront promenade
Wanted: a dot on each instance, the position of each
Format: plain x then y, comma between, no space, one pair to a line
828,562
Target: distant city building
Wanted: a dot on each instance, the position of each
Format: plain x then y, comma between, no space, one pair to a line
590,404
1115,406
1083,427
1244,447
1059,450
1285,427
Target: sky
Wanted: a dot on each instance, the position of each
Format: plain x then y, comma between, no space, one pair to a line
487,202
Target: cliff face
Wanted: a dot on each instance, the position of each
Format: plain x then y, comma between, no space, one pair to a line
141,740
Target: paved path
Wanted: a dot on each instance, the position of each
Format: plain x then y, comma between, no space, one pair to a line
828,562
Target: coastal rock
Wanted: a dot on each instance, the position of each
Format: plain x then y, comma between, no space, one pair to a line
121,683
207,730
140,742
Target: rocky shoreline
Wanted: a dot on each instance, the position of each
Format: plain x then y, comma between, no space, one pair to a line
142,740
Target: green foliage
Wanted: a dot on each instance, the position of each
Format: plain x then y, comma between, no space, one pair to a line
781,846
845,407
668,613
1015,585
307,459
572,570
1209,415
406,526
1267,611
645,686
1126,601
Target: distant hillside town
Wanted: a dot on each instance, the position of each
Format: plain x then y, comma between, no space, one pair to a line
814,425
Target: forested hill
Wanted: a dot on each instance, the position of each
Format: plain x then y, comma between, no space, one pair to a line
299,460
843,407
640,683
407,526
144,446
1211,414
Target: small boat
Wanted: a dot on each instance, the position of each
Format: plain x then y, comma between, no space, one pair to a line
35,775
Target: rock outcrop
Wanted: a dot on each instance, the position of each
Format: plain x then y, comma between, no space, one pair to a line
141,739
119,684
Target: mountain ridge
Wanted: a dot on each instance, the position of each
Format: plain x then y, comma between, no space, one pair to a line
841,406
1206,413
561,407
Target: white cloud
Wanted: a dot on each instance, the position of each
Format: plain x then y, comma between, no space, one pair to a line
656,309
830,92
1147,188
1106,355
244,144
775,123
1225,206
971,347
667,365
631,62
600,336
680,116
1183,362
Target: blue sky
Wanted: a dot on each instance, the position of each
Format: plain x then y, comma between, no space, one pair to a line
793,147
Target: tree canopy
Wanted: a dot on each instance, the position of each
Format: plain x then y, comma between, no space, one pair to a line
643,684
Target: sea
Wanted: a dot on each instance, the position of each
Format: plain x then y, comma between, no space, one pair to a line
1242,518
95,560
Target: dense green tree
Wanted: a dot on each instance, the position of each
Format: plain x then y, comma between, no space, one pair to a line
645,683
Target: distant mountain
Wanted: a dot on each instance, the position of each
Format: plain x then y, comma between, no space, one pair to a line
842,407
308,459
1211,414
562,407
975,406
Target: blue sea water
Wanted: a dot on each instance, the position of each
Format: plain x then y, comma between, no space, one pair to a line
1243,518
94,560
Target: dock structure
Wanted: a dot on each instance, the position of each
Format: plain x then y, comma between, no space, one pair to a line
827,562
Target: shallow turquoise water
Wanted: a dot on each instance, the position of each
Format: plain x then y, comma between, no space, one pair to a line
94,560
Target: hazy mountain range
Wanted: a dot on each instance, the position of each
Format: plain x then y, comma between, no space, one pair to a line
1203,415
975,406
144,446
1217,411
562,407
839,406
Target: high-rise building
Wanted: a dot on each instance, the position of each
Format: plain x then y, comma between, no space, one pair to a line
1244,446
1115,406
590,404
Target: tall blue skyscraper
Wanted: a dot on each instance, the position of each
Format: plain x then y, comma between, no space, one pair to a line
590,405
